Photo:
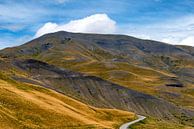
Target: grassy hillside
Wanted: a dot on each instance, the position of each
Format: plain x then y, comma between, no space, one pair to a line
23,105
163,74
145,66
34,107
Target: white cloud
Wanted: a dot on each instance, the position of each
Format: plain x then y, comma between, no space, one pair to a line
97,23
176,31
188,41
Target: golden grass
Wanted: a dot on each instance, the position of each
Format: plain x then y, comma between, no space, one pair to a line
125,74
36,107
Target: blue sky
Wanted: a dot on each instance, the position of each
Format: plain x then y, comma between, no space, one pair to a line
170,21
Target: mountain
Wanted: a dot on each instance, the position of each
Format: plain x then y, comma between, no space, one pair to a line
110,71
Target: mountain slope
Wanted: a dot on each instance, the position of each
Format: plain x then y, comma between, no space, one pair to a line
110,71
29,106
94,90
124,60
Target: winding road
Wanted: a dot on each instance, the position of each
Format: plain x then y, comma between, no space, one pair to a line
126,125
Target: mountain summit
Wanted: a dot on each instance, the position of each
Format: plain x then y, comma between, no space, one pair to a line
120,72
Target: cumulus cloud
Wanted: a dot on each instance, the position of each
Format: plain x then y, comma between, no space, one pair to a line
177,31
97,23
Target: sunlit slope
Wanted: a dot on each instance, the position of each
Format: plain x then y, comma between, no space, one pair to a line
30,106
